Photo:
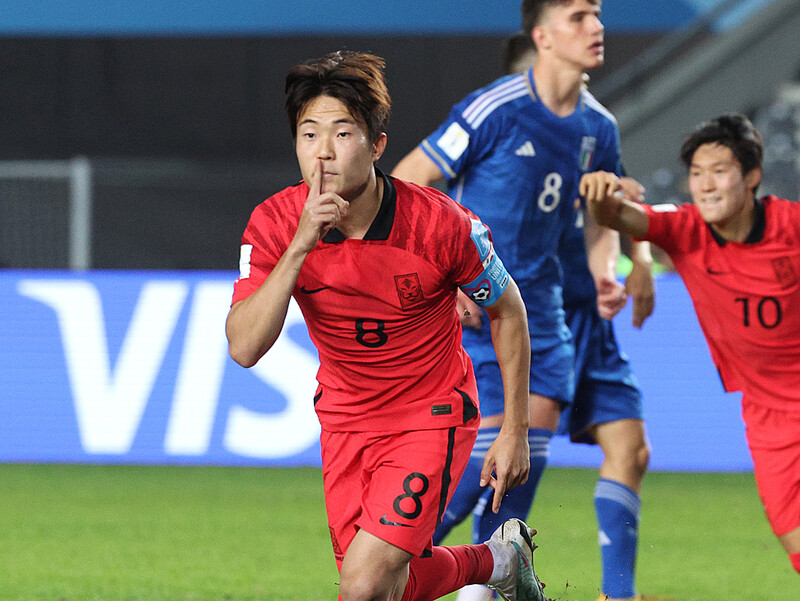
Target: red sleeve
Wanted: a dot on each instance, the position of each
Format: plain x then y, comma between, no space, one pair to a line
468,263
458,253
672,227
264,241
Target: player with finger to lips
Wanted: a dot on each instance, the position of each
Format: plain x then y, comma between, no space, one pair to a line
374,264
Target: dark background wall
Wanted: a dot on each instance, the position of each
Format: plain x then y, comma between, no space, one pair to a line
187,134
218,97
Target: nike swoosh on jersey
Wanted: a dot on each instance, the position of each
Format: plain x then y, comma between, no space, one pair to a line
715,272
386,522
305,290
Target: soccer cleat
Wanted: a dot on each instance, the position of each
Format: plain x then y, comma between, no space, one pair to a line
512,547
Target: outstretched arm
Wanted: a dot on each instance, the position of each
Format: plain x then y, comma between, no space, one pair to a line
509,455
639,283
608,207
253,324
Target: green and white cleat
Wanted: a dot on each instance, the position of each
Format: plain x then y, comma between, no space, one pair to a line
512,549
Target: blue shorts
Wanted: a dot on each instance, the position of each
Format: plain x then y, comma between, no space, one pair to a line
552,370
606,388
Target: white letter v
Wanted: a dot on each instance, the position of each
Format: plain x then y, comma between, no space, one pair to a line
109,406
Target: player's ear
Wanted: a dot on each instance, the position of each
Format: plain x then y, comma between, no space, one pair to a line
753,178
540,37
379,146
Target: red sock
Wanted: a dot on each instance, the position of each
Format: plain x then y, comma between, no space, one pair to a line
795,559
448,570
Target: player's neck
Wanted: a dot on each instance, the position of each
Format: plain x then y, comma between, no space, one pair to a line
558,89
738,227
363,209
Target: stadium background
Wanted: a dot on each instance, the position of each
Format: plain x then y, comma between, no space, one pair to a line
138,138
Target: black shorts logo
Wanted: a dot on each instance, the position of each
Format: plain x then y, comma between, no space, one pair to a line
387,522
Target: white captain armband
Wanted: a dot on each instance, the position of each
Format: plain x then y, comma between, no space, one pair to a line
490,284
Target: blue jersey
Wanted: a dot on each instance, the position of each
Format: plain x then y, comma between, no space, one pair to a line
517,165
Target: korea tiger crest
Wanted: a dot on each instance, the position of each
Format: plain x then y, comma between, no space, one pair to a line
784,270
409,290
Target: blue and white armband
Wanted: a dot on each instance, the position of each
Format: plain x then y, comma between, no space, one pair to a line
490,284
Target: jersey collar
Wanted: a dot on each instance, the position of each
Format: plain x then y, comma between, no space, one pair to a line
756,232
382,225
529,79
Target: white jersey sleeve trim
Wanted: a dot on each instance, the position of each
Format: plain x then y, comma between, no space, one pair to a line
486,103
443,165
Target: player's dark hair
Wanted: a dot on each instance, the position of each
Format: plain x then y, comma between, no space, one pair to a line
515,50
354,78
532,11
732,130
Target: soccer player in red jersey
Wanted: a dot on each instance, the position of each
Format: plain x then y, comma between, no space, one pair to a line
739,257
374,264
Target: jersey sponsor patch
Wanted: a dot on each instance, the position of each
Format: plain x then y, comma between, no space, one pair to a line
244,261
490,284
454,141
409,290
665,208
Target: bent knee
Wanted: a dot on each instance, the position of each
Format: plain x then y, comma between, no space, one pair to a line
642,457
374,582
358,589
630,461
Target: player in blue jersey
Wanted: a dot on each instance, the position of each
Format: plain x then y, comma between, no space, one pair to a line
514,152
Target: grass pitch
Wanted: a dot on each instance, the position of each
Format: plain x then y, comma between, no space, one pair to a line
130,533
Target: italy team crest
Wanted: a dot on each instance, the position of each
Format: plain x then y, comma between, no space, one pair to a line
588,146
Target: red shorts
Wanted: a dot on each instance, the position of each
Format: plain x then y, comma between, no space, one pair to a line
393,485
774,440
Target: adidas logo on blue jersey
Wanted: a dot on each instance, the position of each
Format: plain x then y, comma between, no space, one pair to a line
526,150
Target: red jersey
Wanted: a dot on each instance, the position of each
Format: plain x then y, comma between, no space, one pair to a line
746,295
380,311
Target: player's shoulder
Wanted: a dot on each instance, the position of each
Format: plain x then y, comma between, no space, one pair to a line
289,196
594,107
494,99
685,208
782,215
439,211
685,214
281,205
783,205
422,197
